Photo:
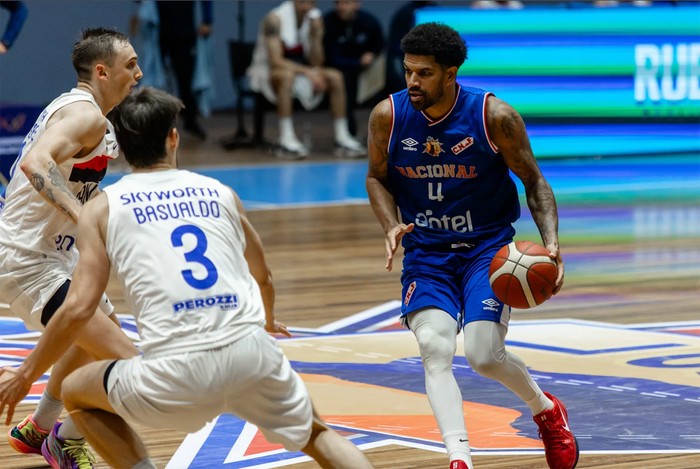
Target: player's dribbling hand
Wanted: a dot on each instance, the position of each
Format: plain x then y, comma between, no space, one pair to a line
555,253
13,389
393,238
277,328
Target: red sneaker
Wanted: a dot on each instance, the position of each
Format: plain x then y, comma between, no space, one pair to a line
458,464
560,445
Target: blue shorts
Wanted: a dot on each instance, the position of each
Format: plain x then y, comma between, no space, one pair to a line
453,280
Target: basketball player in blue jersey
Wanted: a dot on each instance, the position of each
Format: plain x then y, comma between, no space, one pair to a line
439,183
193,268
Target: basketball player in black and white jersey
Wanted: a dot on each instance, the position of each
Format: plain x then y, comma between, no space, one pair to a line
62,161
193,268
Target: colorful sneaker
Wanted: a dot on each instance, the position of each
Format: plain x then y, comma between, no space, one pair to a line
27,437
458,464
66,454
560,445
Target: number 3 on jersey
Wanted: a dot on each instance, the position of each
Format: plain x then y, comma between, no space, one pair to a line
196,256
437,194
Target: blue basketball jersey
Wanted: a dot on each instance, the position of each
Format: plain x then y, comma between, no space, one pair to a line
446,176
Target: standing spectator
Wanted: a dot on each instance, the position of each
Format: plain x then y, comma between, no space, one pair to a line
178,43
287,64
352,41
18,13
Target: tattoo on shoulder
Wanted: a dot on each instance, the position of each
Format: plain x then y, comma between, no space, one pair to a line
508,126
378,134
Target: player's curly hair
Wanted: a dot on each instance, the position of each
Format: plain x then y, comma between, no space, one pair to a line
438,40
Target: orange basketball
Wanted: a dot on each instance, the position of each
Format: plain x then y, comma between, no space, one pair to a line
522,275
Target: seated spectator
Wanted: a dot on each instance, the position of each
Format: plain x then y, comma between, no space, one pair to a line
287,64
353,41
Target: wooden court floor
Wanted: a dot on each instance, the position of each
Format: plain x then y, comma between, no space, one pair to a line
327,264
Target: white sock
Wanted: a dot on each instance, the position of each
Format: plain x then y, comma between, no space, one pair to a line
287,130
68,430
539,404
48,411
342,132
457,446
144,464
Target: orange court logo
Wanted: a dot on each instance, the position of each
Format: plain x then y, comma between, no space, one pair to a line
433,147
355,366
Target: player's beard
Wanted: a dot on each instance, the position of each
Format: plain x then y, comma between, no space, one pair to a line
428,100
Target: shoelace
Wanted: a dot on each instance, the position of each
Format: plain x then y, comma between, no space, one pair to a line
78,450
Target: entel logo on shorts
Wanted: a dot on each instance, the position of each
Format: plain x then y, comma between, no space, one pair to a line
409,293
409,144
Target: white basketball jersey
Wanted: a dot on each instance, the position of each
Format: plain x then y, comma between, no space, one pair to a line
176,243
27,220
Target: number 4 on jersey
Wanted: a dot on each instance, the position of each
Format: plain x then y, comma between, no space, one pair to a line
437,194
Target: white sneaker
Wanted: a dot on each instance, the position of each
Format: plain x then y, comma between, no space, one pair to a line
349,148
291,150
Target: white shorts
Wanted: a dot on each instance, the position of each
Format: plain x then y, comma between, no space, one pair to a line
28,280
302,88
249,378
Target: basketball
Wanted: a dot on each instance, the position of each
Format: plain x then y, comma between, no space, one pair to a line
522,275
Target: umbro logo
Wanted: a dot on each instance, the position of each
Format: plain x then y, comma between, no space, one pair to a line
491,302
409,144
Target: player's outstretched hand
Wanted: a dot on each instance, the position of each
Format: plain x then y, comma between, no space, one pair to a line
277,328
392,240
13,388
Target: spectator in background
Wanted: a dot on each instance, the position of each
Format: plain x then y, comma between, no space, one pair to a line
178,43
18,13
402,21
287,64
352,41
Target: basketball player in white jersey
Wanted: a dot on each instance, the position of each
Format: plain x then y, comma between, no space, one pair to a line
194,273
62,160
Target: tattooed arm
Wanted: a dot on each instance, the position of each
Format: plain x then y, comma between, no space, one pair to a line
507,131
73,131
381,200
